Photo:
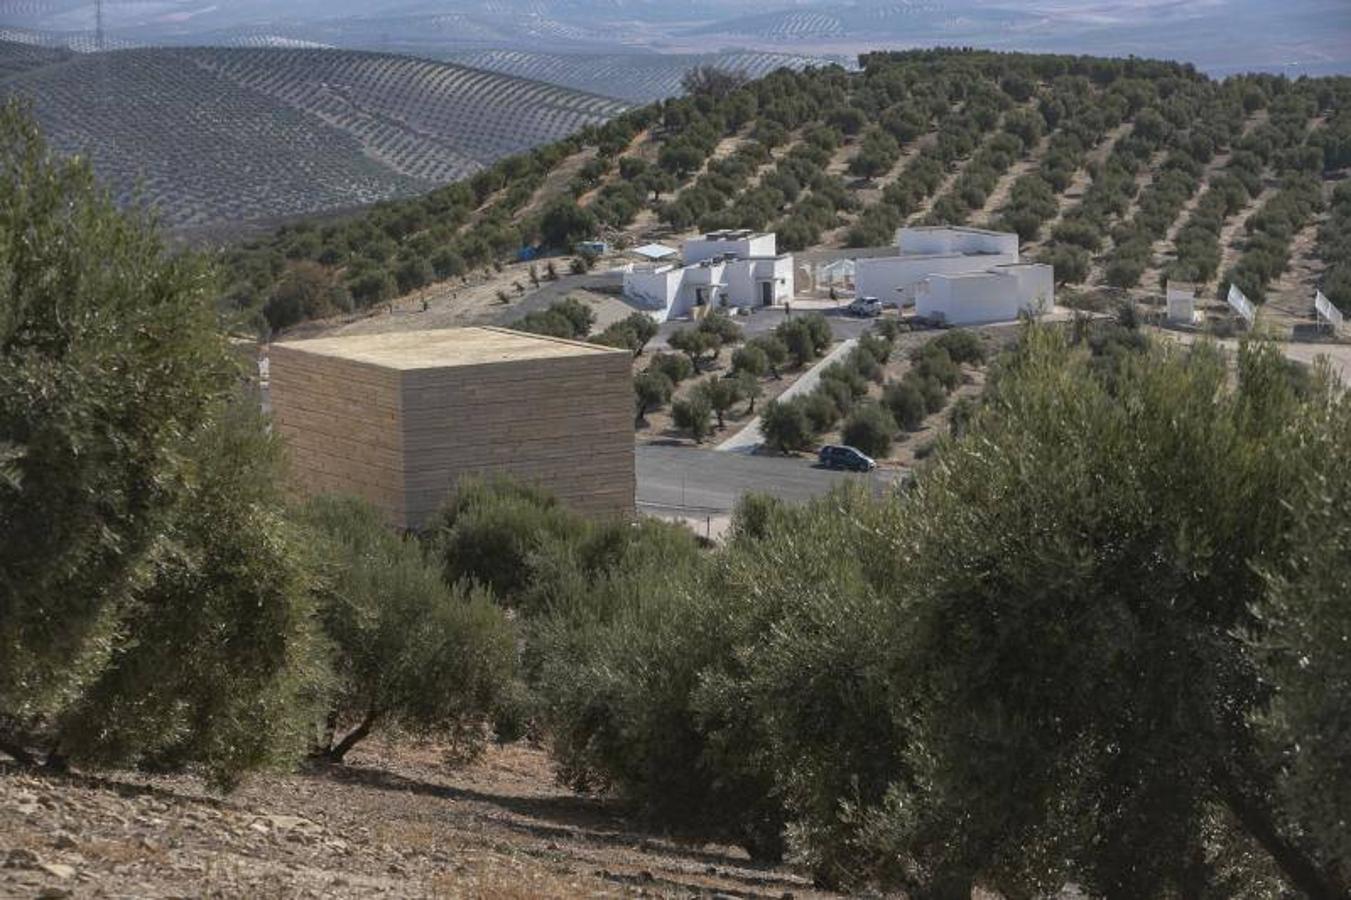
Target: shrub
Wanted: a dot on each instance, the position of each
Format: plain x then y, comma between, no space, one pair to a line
751,360
934,363
490,531
905,400
633,332
935,393
785,426
672,365
796,337
694,344
693,414
774,349
870,428
823,408
155,601
721,326
721,394
863,674
961,346
651,390
408,651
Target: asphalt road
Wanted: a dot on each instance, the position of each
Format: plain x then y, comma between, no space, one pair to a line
688,480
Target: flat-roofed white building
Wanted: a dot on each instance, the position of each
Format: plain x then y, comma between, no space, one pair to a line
721,269
997,294
1181,297
739,242
931,250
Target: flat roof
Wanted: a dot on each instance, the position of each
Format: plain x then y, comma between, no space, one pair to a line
965,229
444,348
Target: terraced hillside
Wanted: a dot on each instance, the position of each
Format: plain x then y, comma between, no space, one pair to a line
642,77
231,135
1121,173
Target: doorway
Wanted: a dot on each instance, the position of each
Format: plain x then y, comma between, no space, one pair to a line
766,293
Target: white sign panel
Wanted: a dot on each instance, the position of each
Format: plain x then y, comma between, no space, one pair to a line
1326,311
1241,304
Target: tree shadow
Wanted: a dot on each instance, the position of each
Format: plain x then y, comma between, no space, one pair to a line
595,821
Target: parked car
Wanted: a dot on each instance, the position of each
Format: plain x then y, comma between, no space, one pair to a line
836,456
865,307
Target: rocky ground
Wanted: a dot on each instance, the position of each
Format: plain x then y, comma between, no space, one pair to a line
393,822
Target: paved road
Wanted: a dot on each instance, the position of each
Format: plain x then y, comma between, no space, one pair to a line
685,479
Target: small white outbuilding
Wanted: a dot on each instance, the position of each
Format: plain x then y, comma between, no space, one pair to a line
997,294
1181,299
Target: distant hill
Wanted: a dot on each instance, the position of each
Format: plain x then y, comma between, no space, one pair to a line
212,135
642,77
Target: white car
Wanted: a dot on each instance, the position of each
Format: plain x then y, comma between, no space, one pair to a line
865,308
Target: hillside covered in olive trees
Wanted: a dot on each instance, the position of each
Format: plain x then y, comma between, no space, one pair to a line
1122,173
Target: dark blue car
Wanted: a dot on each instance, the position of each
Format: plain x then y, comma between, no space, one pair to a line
834,456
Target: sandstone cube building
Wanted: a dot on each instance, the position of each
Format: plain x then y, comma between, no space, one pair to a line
399,418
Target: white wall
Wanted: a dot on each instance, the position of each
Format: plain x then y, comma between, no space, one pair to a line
958,240
997,295
1181,305
652,288
671,293
699,249
896,279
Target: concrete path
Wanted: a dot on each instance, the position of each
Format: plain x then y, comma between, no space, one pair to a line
750,437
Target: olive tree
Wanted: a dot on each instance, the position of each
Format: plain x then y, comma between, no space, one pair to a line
155,600
409,651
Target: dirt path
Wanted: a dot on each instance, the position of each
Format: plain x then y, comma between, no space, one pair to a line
1163,253
1074,194
556,182
394,822
1143,179
869,196
1289,304
982,217
1233,236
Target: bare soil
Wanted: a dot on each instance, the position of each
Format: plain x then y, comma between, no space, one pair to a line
393,822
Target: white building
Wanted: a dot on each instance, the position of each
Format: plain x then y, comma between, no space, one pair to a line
931,250
997,294
1181,303
721,269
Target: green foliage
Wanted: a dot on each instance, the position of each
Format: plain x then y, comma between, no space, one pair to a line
774,349
721,394
721,326
490,531
859,676
564,223
785,427
961,346
408,651
633,332
695,343
870,428
751,360
905,400
567,318
675,367
694,414
137,503
651,390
